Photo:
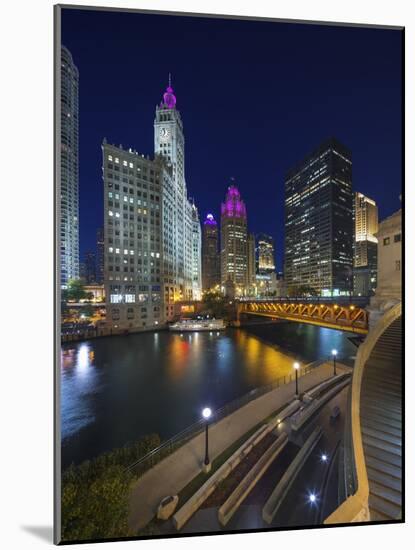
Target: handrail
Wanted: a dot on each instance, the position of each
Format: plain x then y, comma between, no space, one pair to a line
171,444
356,507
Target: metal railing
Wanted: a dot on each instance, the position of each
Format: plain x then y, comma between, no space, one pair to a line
167,447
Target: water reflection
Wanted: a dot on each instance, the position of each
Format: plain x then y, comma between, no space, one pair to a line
115,390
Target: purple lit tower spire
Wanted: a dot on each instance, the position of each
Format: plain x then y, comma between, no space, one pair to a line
210,220
169,99
234,206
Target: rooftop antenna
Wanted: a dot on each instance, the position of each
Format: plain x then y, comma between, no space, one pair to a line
169,80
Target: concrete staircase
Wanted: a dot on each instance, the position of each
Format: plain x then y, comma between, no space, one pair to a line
381,424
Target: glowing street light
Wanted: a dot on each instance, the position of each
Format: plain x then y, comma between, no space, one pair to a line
334,354
312,498
206,413
324,457
296,367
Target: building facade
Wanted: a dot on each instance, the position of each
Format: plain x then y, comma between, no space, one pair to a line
196,255
210,254
152,239
251,266
365,246
319,222
234,241
265,254
100,256
69,168
389,288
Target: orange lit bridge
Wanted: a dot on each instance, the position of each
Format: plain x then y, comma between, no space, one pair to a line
350,316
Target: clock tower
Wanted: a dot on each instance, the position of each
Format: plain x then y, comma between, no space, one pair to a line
168,135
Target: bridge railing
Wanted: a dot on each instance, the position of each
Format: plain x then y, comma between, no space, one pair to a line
361,301
170,445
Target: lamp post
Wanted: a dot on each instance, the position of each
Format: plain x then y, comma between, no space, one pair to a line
206,413
334,353
296,367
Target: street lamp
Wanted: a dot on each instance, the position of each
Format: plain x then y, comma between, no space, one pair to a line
334,353
206,413
296,368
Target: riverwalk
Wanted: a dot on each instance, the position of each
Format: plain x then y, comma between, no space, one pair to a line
172,474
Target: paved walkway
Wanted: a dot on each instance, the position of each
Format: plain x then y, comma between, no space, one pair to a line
173,473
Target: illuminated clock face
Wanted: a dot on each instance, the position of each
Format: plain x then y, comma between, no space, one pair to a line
164,134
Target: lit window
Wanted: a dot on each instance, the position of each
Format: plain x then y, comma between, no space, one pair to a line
117,160
386,241
110,249
110,157
125,163
117,214
131,252
129,298
116,298
110,194
117,250
131,165
125,199
110,213
125,251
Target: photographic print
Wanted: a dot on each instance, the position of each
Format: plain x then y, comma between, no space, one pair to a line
229,200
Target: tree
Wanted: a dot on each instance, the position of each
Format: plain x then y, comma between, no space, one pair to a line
215,303
74,292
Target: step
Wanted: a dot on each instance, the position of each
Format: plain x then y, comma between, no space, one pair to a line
385,493
384,479
382,456
375,515
383,467
377,392
394,412
380,381
384,507
382,426
370,441
382,435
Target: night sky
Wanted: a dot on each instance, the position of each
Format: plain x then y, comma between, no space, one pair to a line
255,97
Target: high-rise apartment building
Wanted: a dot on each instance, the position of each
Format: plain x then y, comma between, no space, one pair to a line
319,221
210,254
234,241
100,256
151,232
69,169
265,254
251,265
196,255
366,245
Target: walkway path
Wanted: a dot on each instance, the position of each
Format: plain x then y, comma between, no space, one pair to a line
173,473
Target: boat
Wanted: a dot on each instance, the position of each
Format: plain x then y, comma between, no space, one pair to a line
197,325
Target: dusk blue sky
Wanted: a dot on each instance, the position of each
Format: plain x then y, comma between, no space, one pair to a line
255,97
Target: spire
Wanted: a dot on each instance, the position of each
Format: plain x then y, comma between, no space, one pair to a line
169,99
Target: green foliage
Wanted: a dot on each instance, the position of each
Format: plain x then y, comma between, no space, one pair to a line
95,494
87,311
215,303
75,291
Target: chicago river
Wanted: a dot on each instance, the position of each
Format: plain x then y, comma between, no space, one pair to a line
115,390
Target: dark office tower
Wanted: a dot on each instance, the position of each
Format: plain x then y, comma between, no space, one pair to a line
251,267
90,268
234,237
69,185
210,254
100,256
319,222
265,253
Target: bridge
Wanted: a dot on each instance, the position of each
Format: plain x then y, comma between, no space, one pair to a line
341,316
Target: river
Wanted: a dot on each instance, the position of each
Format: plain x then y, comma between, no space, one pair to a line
116,389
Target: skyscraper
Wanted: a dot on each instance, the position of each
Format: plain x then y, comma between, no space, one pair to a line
319,222
169,144
151,232
251,265
265,253
196,255
210,254
366,245
100,256
69,184
234,241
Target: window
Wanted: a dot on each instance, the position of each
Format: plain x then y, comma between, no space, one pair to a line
129,298
386,241
397,265
397,238
116,298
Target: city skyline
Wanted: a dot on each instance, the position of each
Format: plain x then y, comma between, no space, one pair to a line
375,147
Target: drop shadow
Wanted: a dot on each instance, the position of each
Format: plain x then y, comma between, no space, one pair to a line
43,532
